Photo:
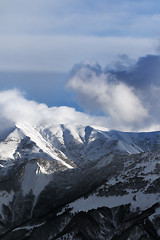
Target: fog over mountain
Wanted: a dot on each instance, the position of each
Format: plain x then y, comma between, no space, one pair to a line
122,96
127,93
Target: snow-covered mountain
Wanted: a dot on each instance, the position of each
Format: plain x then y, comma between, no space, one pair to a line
76,182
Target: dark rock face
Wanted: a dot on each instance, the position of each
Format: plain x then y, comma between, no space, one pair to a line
52,215
112,195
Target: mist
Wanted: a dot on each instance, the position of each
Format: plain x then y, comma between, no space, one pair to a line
125,97
127,92
15,109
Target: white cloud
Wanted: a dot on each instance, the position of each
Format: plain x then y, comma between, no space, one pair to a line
102,92
14,109
144,76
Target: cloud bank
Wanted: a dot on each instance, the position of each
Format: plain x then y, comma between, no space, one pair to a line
128,94
80,17
144,76
15,109
59,52
52,35
103,92
124,98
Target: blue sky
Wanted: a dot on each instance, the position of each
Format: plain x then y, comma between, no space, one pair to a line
41,40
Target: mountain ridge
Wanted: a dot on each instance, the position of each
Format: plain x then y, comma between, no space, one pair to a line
57,175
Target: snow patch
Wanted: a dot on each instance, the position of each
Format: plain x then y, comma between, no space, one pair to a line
143,201
8,147
35,178
5,198
28,227
36,137
156,213
68,187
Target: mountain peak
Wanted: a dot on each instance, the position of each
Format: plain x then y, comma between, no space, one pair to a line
109,179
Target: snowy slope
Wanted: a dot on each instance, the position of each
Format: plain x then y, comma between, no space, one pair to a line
76,143
71,145
27,143
60,176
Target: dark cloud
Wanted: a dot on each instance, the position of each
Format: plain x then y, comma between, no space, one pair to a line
127,92
144,73
144,76
101,91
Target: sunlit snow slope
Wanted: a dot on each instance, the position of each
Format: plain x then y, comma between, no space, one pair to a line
55,177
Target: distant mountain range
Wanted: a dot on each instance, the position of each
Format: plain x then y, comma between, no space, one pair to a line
75,182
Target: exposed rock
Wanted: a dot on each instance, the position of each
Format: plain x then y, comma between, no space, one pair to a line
79,183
